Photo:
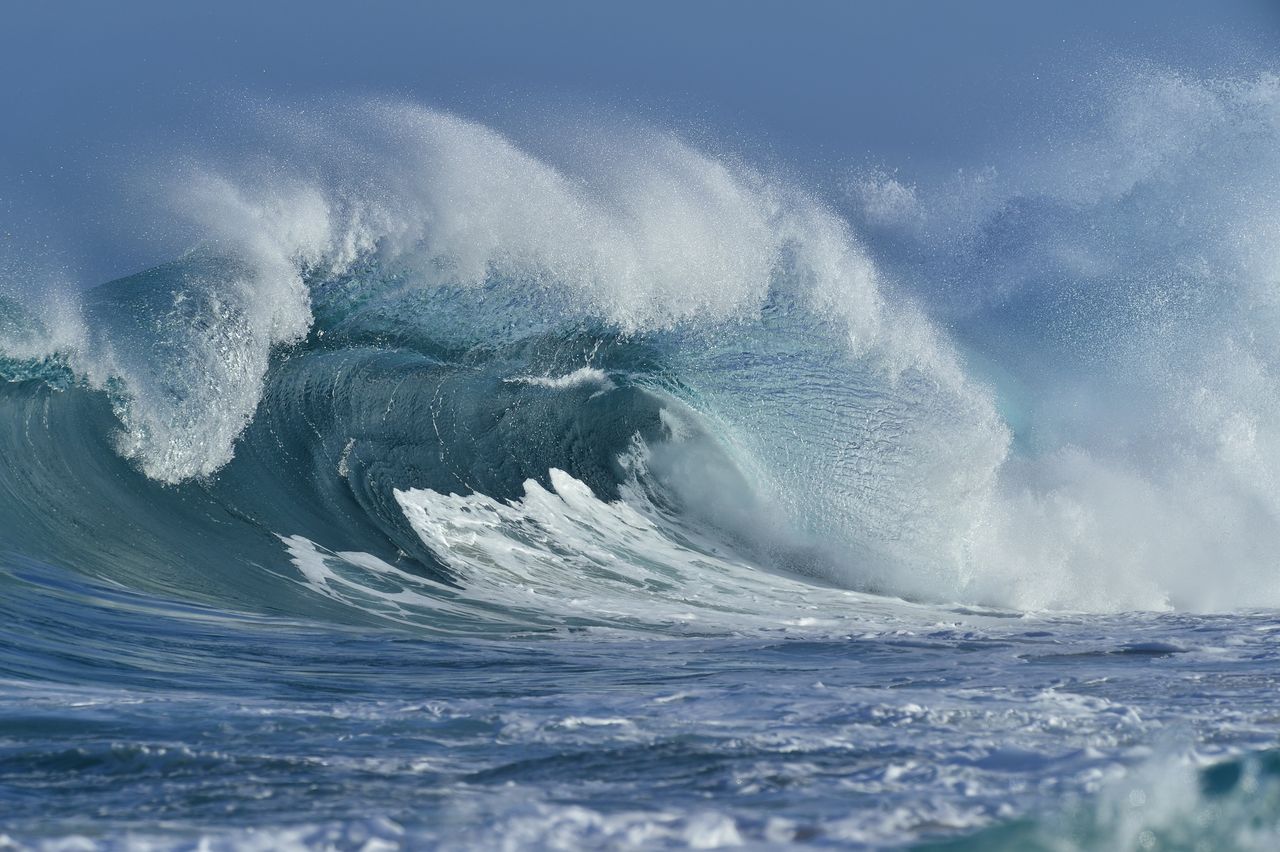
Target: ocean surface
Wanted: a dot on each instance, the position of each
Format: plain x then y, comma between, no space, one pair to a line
612,490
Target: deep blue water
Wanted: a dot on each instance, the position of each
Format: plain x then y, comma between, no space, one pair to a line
133,720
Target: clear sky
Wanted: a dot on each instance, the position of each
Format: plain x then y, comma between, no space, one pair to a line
815,84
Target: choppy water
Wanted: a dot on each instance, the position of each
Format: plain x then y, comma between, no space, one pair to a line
132,720
453,493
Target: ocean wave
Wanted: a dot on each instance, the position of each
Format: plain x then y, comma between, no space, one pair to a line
405,318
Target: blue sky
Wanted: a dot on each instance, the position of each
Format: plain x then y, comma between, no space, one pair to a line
814,84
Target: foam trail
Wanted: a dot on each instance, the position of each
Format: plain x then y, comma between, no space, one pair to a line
580,376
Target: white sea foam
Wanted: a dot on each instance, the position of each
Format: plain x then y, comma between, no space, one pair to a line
564,558
1122,271
589,376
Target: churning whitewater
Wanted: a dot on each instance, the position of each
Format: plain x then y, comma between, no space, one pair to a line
604,488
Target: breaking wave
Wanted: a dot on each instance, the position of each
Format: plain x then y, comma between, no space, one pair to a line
414,370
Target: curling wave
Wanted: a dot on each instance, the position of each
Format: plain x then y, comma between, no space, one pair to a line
416,371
